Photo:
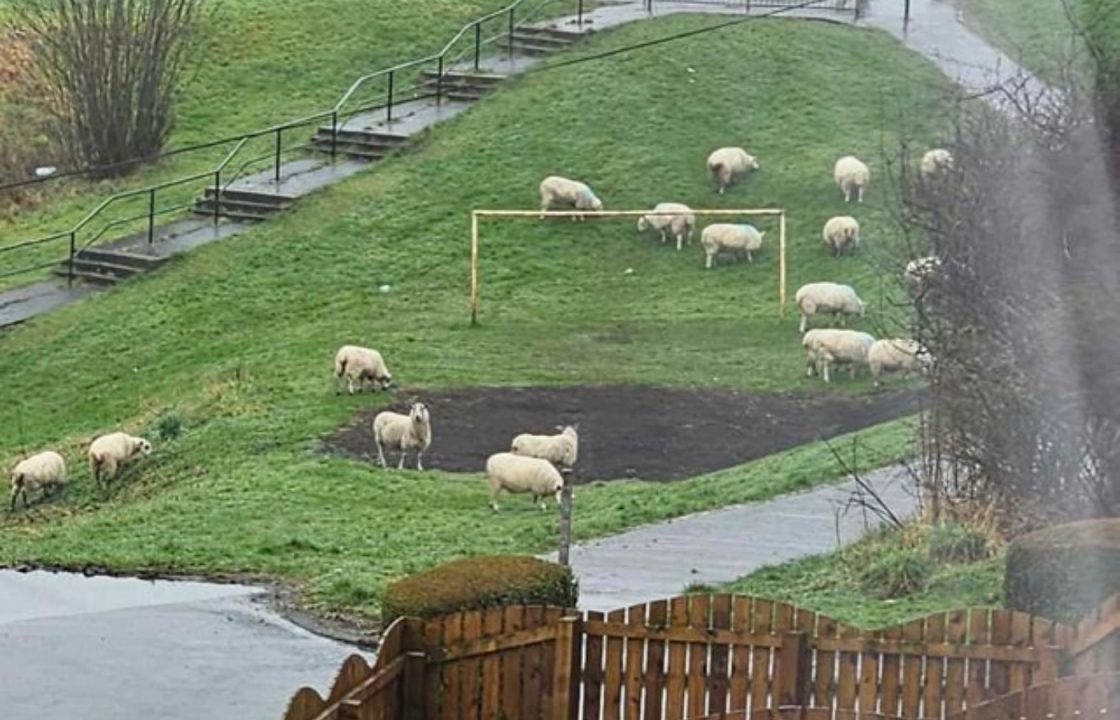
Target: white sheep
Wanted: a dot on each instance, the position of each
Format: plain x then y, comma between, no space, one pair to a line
557,191
920,273
46,470
109,452
827,298
728,164
852,176
360,364
841,233
897,355
403,432
935,162
728,238
522,474
826,348
560,449
680,224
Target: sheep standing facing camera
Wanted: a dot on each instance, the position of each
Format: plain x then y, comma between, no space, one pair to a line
852,176
109,452
46,470
841,233
403,432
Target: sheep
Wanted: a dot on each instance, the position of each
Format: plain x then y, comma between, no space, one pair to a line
725,237
522,474
840,233
680,224
404,432
728,164
361,364
108,452
561,449
934,162
561,192
851,175
827,298
46,470
825,348
920,273
897,355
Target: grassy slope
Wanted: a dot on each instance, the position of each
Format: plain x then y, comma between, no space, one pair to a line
261,62
830,584
238,337
1035,33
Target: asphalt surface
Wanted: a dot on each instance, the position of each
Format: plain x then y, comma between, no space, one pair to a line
117,649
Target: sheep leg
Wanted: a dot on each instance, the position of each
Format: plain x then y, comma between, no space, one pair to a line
824,371
804,321
679,242
708,261
404,452
750,260
15,494
494,488
380,452
419,458
860,194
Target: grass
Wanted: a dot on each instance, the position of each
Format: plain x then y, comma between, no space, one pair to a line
848,586
1034,33
237,338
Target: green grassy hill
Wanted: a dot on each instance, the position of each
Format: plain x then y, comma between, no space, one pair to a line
237,338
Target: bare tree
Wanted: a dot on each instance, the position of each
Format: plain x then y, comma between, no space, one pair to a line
113,67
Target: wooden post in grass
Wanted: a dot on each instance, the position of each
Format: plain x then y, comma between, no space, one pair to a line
565,521
782,265
474,268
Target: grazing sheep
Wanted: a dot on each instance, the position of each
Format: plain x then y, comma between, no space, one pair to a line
403,432
934,162
561,192
830,298
680,224
522,474
108,452
826,348
46,470
897,355
733,239
728,165
852,176
361,364
921,273
560,449
840,233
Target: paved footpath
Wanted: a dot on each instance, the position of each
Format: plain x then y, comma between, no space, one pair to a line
658,561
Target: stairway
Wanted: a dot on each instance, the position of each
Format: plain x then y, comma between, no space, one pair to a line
364,144
108,267
243,205
460,86
539,41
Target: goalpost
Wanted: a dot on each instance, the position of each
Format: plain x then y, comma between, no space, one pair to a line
477,215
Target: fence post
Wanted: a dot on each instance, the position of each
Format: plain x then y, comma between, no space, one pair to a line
334,132
565,691
565,521
217,193
474,269
509,39
70,269
439,80
389,106
151,215
276,170
905,13
414,665
792,675
579,14
477,44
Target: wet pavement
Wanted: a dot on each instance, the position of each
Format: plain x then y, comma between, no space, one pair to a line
658,561
100,648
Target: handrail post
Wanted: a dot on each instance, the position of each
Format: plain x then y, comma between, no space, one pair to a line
276,167
217,193
509,39
73,250
579,14
477,43
151,215
439,80
389,105
334,132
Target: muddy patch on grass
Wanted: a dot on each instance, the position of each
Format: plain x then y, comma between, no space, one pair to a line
629,431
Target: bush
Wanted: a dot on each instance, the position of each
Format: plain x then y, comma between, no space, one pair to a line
480,582
169,427
897,572
1065,571
954,543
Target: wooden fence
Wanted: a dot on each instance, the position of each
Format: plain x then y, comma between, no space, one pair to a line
722,656
1079,697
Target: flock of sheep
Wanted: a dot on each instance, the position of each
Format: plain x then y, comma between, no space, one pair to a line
535,464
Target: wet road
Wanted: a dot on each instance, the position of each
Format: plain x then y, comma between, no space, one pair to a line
116,649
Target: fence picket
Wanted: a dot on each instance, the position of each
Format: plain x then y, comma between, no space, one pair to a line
592,672
452,698
760,656
513,621
741,655
824,684
892,668
913,632
492,626
979,631
612,689
956,632
717,683
935,669
699,612
531,667
635,652
675,683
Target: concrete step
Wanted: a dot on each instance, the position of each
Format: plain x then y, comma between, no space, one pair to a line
526,47
236,210
89,276
369,138
133,261
464,78
565,36
264,199
544,38
355,150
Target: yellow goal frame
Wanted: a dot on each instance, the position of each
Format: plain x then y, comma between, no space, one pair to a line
477,215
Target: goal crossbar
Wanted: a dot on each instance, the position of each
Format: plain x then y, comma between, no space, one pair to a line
477,215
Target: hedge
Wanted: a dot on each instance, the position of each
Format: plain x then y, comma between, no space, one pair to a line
1065,571
479,582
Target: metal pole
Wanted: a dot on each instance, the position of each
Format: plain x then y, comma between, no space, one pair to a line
439,80
477,44
70,270
905,13
579,14
217,193
276,169
509,42
474,268
389,105
782,265
564,550
334,132
151,215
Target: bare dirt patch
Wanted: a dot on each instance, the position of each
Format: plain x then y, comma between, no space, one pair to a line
629,431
